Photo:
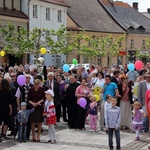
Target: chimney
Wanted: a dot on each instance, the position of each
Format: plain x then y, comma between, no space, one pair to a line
135,5
148,10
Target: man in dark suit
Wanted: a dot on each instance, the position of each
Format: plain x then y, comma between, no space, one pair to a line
54,86
115,76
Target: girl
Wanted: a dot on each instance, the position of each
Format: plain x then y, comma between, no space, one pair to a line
93,108
50,114
137,124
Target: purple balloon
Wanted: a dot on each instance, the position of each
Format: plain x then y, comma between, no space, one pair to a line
21,79
82,102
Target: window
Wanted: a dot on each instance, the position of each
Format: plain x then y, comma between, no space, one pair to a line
132,43
18,28
143,43
35,11
48,17
59,16
4,3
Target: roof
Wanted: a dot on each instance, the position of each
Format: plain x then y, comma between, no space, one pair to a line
90,16
57,2
127,16
146,14
13,13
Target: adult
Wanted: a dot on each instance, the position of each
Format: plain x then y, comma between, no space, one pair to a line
132,75
108,88
62,96
82,91
84,73
99,81
21,96
54,86
36,97
125,102
143,86
71,100
5,105
115,77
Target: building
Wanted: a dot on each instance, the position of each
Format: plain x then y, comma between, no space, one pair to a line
147,14
10,11
92,17
48,14
137,26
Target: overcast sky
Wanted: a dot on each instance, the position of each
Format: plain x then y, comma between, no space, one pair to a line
143,4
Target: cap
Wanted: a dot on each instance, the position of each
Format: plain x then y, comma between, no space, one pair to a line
23,104
50,92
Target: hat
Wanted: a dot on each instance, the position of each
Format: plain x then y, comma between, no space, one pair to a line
50,92
23,104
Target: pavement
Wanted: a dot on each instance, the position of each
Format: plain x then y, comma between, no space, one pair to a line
70,139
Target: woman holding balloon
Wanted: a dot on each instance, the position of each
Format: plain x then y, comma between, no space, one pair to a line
83,94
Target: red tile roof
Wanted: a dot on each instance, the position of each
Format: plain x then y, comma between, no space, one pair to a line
13,13
57,2
116,3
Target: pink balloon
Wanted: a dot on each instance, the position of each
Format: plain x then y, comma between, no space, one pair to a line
21,79
82,102
138,65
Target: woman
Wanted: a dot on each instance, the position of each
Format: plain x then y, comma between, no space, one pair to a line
5,105
36,98
82,91
125,102
100,80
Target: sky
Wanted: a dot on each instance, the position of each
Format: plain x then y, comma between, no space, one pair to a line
142,4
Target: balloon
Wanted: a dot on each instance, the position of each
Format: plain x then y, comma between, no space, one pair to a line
131,67
74,61
138,65
82,102
96,97
43,50
65,67
21,79
2,53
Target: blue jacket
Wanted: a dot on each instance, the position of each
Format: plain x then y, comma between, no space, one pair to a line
23,115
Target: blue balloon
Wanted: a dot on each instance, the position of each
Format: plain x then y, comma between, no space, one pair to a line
131,67
65,67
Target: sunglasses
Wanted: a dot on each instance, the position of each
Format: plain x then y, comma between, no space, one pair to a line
147,77
125,78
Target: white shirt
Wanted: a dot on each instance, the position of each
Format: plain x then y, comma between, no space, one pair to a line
99,82
148,85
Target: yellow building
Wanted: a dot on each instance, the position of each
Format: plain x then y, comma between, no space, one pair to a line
105,17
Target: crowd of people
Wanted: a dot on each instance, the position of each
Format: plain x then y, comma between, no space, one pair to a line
45,97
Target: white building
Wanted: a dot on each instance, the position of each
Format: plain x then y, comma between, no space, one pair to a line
48,14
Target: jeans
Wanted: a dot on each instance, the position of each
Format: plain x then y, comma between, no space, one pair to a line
110,136
22,131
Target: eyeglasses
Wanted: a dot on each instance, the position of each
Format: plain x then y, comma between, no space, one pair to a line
125,78
147,77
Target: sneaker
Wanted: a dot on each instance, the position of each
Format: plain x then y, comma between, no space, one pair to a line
5,138
48,141
53,141
137,138
96,130
91,130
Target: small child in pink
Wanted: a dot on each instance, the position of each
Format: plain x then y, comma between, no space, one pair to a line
93,110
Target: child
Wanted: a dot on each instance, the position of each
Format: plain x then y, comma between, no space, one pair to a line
137,124
93,110
50,114
112,122
107,105
22,118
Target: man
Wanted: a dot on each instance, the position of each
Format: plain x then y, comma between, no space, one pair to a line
143,86
72,101
108,88
115,77
132,75
54,86
21,95
84,73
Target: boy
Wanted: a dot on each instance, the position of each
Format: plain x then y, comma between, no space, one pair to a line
112,122
22,118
